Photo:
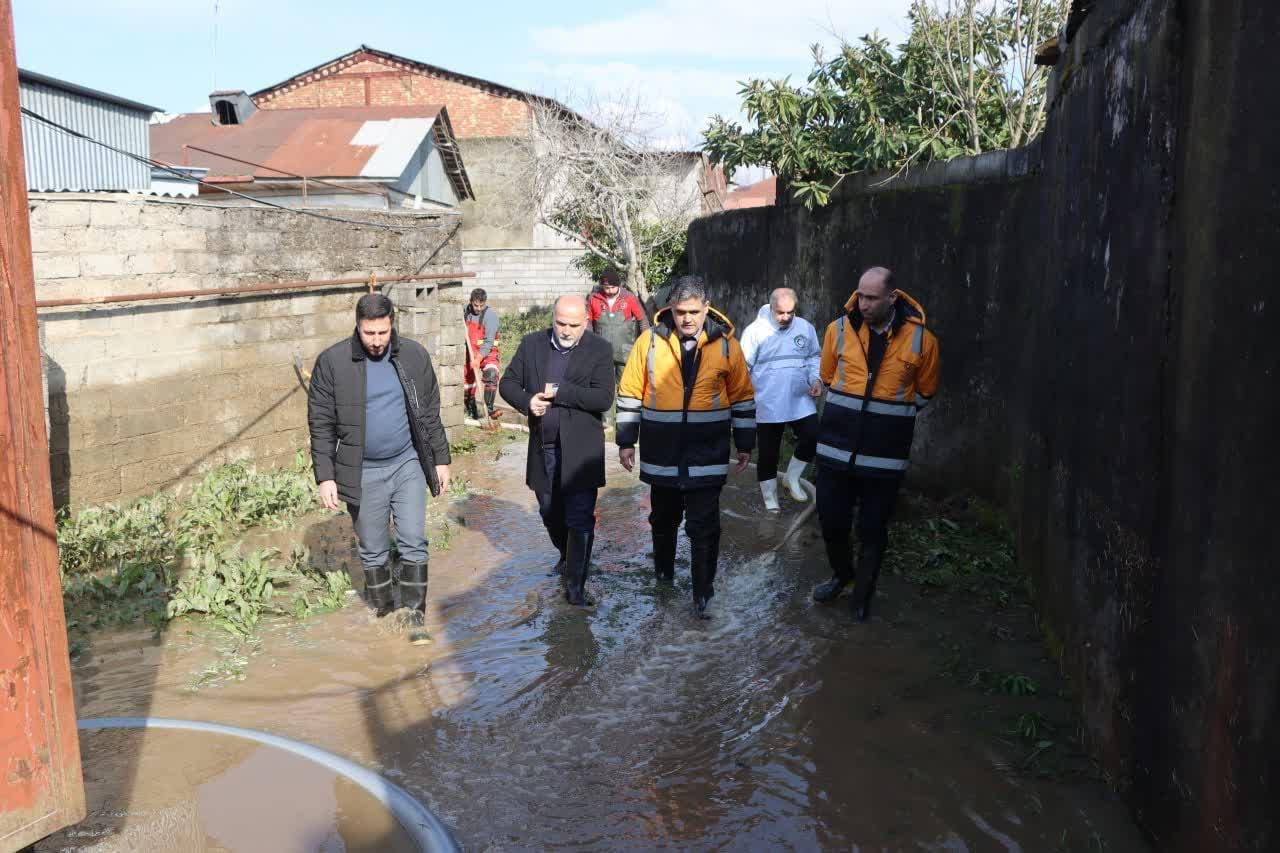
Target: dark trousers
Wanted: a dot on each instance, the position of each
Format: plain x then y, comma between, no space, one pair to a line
700,509
564,510
769,444
838,493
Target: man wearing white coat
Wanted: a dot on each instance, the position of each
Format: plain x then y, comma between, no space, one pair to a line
783,355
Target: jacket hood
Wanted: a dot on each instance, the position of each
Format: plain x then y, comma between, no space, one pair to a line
716,326
905,310
357,348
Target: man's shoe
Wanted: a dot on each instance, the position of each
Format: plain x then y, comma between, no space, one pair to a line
578,561
704,553
794,469
664,556
558,569
769,491
473,412
413,581
829,591
379,589
870,556
413,586
840,558
861,611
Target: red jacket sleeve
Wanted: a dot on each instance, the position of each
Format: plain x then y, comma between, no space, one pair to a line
636,311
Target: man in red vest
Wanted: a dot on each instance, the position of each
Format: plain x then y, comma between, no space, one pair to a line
617,316
482,352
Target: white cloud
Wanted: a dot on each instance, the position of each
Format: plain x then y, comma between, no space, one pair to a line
726,29
615,76
679,100
686,60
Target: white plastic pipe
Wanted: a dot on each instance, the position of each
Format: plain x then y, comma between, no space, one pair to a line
427,830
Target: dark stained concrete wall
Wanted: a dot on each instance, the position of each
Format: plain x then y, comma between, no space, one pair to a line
1101,300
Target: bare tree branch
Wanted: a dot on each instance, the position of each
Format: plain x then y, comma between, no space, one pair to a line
604,184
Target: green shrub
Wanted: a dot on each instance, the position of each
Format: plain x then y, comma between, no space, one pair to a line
235,497
102,537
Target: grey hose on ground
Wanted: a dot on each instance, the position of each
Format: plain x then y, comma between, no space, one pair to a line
421,824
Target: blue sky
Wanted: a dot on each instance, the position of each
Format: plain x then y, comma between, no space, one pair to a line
684,57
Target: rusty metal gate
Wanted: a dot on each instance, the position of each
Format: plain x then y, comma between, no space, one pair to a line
40,784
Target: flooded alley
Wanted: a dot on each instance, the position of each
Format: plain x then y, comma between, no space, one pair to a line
529,724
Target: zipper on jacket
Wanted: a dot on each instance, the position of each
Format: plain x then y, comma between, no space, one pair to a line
688,396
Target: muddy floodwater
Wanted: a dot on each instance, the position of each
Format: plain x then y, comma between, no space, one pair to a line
528,724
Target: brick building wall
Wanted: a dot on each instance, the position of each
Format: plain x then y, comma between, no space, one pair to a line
362,79
146,395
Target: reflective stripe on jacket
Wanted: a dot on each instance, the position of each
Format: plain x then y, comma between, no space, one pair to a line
868,423
684,432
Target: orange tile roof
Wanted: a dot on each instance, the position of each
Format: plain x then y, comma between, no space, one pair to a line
760,194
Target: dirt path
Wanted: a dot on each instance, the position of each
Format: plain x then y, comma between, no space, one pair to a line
529,724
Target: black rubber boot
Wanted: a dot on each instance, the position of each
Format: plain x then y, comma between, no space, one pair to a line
413,595
578,558
473,412
559,538
840,556
379,589
490,398
704,555
864,589
664,556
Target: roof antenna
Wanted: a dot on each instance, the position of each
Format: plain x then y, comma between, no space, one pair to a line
213,71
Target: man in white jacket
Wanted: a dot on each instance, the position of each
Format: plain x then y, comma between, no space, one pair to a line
783,355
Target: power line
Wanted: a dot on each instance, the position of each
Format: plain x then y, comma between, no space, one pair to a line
156,164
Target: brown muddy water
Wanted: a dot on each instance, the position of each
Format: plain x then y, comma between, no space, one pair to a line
529,724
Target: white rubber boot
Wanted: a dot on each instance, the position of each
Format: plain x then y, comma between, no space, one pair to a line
794,469
769,488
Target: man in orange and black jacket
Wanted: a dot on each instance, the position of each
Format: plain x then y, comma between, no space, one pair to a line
684,392
880,366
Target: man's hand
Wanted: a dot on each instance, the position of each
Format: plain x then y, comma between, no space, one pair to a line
744,459
538,404
329,494
627,456
442,473
815,390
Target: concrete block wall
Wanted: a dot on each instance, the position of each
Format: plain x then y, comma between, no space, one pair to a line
520,279
144,396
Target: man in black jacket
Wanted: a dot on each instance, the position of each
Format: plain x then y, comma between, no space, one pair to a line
562,378
377,444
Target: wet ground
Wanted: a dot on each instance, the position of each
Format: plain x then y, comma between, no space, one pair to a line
529,724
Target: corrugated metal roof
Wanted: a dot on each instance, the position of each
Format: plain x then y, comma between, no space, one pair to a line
317,143
57,162
326,143
54,82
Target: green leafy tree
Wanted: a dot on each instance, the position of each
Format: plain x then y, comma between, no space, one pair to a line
666,258
964,81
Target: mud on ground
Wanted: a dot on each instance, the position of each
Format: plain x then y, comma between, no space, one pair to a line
529,724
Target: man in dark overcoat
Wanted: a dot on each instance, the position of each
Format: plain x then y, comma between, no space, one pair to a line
562,379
